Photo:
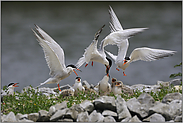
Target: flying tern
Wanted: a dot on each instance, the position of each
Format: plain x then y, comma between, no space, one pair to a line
93,54
55,59
144,53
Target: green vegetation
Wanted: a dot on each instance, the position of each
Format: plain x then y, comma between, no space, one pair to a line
176,74
31,101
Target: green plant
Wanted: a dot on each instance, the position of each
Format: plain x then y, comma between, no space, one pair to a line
176,74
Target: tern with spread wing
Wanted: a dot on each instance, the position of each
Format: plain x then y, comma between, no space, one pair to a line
93,54
144,53
55,59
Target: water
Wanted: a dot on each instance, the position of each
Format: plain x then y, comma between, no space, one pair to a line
73,25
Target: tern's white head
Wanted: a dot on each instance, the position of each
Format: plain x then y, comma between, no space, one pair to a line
78,80
71,68
11,87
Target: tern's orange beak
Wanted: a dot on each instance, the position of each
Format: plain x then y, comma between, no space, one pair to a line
75,71
124,62
15,85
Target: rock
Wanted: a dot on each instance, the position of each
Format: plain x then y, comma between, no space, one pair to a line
43,116
96,117
25,120
25,116
146,88
105,103
136,107
155,118
147,99
18,115
175,82
169,112
58,106
65,120
126,119
87,106
134,119
83,117
127,90
59,114
33,116
175,108
172,96
74,111
109,113
164,84
109,119
178,119
86,85
121,108
10,118
52,110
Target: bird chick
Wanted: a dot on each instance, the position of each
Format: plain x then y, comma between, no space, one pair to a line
78,86
104,87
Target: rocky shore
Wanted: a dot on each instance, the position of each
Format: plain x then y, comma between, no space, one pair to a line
110,109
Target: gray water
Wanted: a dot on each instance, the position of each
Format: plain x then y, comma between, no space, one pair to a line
73,25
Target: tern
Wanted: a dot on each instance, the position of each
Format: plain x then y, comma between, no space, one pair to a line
55,59
117,87
78,86
117,37
11,87
103,86
93,54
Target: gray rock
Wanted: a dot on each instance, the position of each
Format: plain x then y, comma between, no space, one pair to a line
121,108
146,88
74,111
178,119
126,119
43,116
87,105
25,116
83,117
96,117
109,119
105,103
172,96
18,115
58,106
109,113
164,84
25,120
155,118
147,99
175,82
135,106
175,108
33,116
51,111
168,111
65,120
10,118
134,119
59,114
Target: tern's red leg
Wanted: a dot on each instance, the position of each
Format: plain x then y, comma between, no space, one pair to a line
117,69
59,88
75,72
92,63
124,73
86,65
